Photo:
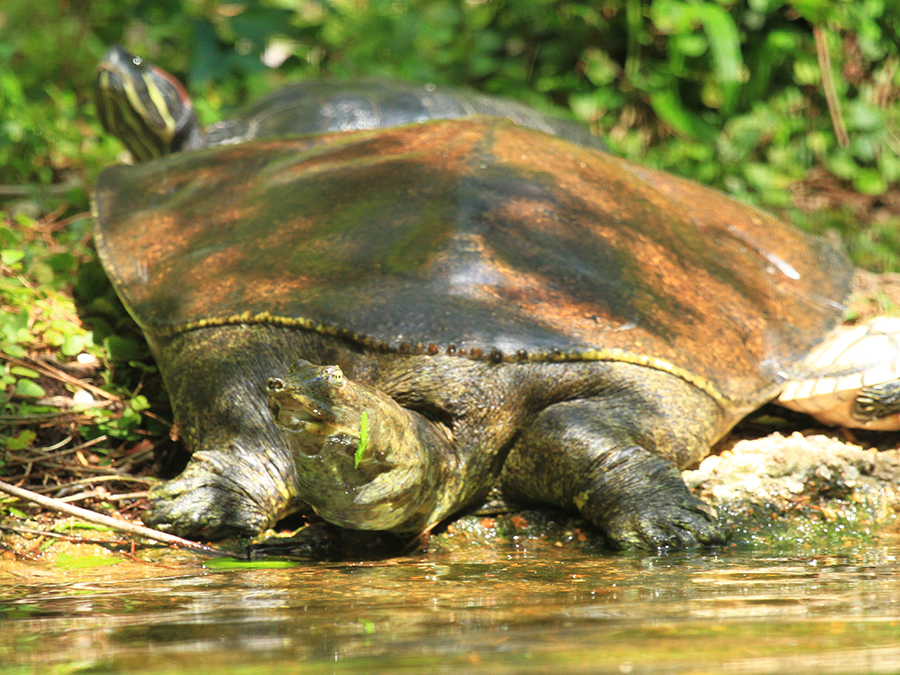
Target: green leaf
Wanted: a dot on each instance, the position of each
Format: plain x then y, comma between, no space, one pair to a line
11,257
842,164
233,564
91,282
889,166
870,182
690,44
363,439
667,104
724,42
599,68
121,349
672,16
75,344
20,441
67,525
807,73
25,388
14,327
75,562
62,263
864,116
15,351
22,371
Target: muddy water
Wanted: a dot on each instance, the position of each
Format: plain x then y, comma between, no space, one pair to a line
557,611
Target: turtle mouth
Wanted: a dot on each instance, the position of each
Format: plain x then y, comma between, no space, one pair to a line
298,413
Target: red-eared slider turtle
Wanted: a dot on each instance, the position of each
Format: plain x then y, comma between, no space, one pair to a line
151,113
388,324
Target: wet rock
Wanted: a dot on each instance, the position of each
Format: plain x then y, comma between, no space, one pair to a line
800,489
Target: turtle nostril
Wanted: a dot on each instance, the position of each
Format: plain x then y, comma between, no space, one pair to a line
275,384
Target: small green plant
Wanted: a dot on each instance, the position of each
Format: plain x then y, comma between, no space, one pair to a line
59,381
35,310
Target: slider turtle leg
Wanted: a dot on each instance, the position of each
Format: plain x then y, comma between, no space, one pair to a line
877,401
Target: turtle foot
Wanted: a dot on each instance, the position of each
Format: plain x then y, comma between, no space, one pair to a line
685,523
641,501
206,502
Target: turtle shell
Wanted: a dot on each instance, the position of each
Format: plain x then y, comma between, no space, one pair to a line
321,106
477,238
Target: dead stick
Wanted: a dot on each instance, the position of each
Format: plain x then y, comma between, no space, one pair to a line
114,523
62,376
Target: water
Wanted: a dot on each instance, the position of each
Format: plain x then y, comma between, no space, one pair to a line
562,611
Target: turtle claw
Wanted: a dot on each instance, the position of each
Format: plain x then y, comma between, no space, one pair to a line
690,523
186,510
640,501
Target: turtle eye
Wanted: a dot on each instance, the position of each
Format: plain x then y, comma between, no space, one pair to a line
275,384
334,376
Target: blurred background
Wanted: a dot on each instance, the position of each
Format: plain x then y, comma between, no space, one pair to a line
788,104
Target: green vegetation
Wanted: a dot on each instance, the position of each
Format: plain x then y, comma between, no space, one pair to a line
363,439
790,104
749,95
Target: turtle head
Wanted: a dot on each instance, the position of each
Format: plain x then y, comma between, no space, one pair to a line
362,460
144,107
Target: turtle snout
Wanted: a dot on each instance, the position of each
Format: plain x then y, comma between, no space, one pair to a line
275,385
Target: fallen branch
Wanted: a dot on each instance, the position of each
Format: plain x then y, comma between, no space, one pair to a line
63,376
71,183
113,523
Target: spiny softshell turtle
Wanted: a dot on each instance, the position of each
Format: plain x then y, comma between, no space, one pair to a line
387,324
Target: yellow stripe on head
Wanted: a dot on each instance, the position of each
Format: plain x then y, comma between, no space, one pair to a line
161,105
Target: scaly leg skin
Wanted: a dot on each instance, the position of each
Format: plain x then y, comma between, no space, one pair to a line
616,457
221,494
641,502
242,476
877,401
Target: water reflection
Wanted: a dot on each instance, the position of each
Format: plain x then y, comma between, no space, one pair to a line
569,613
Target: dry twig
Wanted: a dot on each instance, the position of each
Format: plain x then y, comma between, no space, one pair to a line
113,523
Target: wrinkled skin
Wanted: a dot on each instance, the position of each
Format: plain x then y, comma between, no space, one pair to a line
386,484
604,438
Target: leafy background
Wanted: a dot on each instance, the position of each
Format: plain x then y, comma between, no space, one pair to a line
792,105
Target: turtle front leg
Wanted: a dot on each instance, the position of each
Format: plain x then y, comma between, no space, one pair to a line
222,493
242,477
616,458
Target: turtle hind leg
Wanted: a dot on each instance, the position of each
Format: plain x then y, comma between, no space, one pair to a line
616,457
